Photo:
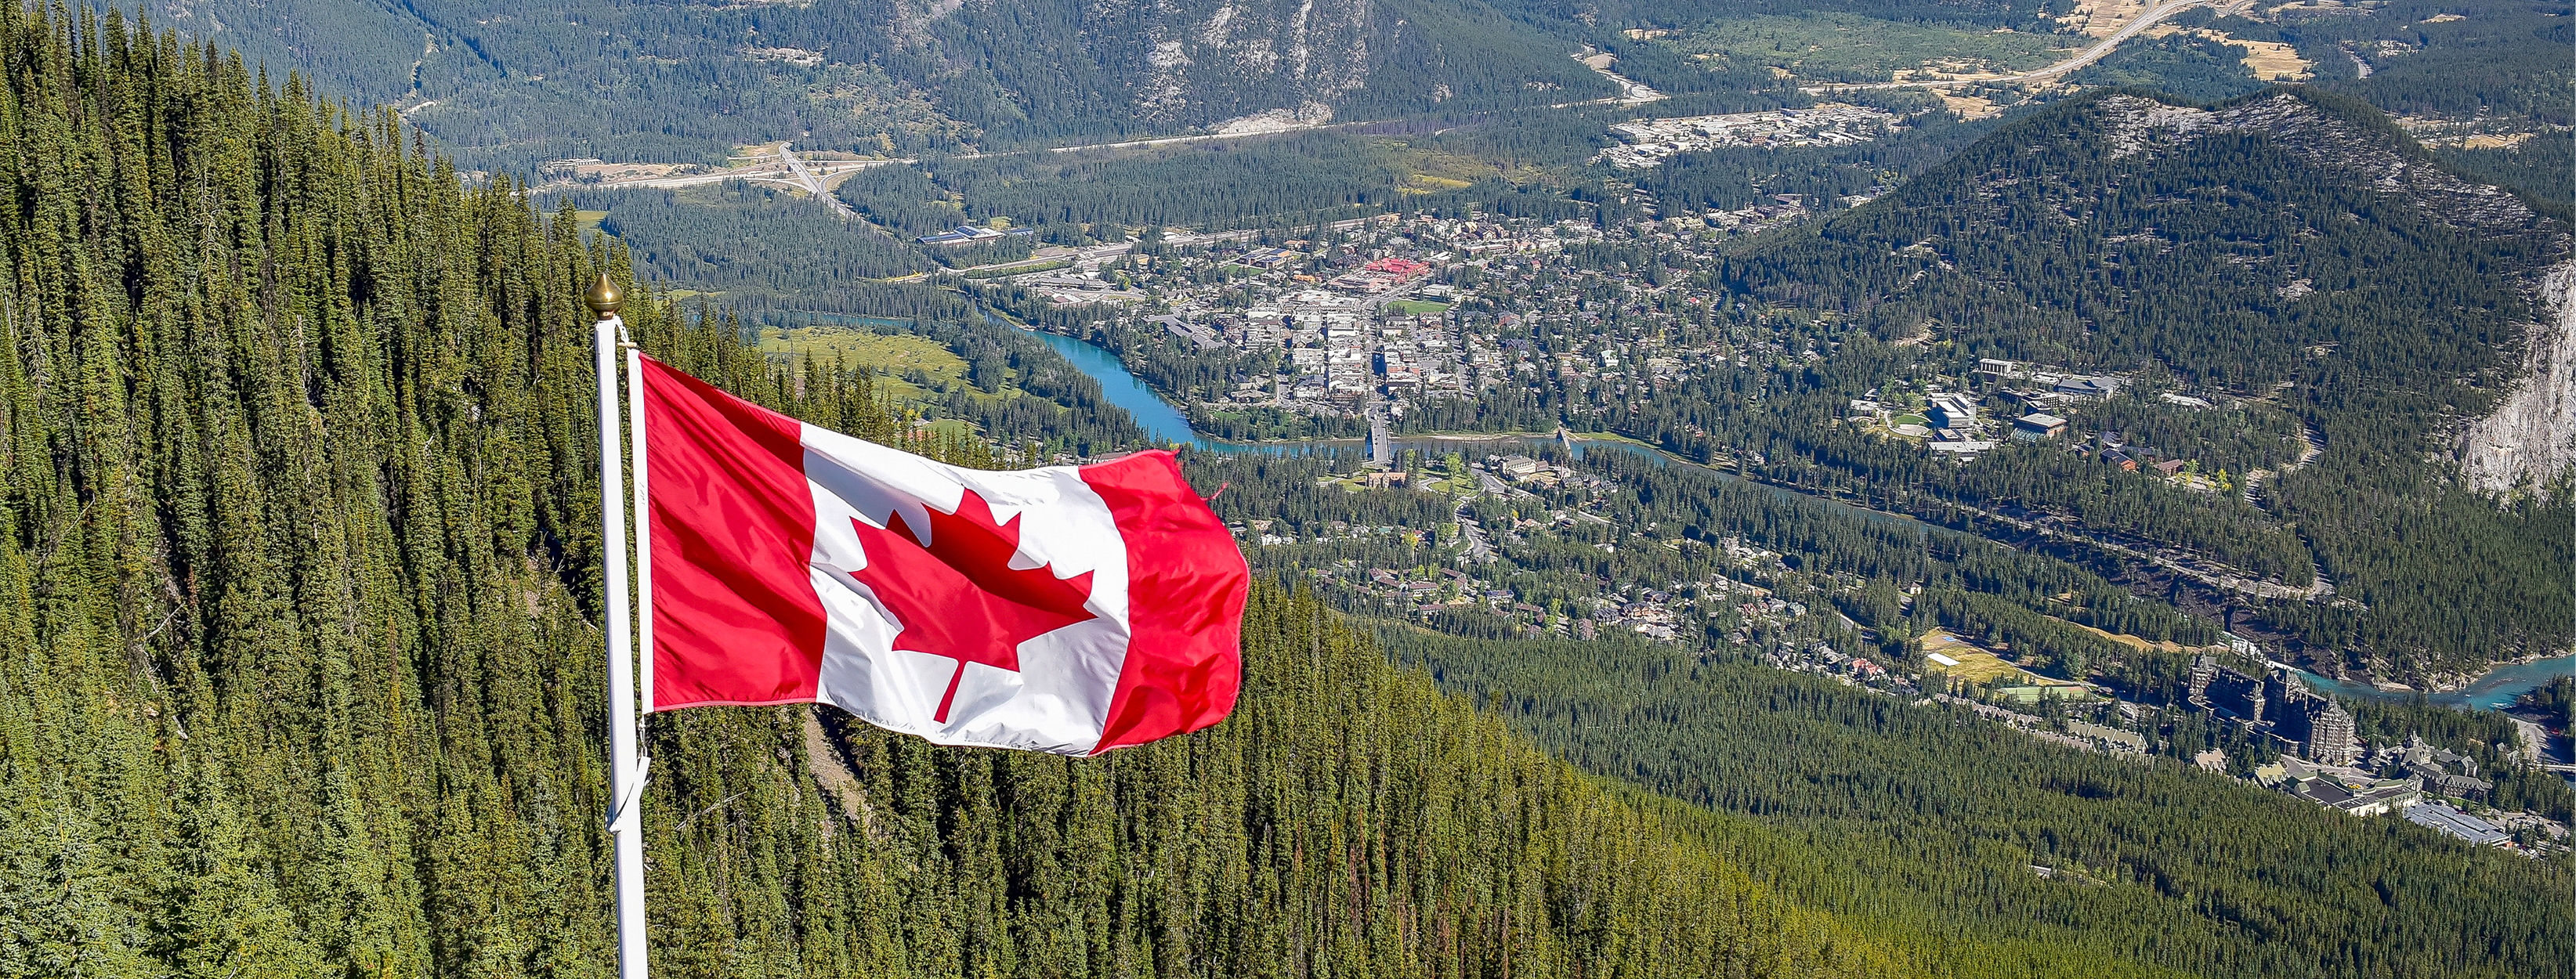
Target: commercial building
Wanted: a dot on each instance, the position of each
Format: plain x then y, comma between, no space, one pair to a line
970,233
1952,411
2037,427
2279,705
2434,815
2089,387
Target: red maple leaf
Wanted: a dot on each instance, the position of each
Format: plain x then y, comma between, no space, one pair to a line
954,593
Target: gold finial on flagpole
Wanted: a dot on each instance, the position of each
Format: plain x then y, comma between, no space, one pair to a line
604,297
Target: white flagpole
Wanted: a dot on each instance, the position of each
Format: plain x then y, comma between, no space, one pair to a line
626,776
643,528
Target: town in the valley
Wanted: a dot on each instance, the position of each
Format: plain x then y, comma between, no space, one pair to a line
1413,324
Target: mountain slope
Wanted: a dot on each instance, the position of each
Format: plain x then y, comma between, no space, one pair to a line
296,586
2290,253
1933,817
508,84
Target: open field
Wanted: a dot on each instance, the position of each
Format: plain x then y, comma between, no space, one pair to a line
2103,18
2140,643
1968,106
1972,663
1836,47
897,354
2267,60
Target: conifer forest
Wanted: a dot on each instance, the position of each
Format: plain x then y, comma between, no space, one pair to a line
301,590
302,565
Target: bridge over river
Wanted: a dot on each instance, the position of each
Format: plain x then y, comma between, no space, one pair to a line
1165,424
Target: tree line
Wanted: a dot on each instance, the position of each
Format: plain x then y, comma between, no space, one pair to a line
299,574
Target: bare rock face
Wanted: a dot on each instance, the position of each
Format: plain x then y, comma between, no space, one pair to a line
2530,440
1307,52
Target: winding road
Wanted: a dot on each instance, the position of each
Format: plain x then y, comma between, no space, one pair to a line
1479,550
786,169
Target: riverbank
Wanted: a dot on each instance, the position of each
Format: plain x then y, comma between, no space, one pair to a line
2495,689
2498,687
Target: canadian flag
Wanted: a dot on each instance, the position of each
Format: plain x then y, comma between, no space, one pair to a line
1064,609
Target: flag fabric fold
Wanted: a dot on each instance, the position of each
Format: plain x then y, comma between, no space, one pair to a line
1063,609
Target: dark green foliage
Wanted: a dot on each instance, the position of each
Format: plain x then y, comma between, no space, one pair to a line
1987,14
1981,589
1346,818
2542,170
737,238
1057,70
2252,263
299,598
2499,70
2187,65
1069,412
509,84
2241,438
2506,63
1931,820
2486,737
2555,700
1260,182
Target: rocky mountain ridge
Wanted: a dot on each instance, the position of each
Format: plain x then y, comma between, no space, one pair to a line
2333,140
512,84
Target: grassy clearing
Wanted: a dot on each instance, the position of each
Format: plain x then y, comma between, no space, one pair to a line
2268,60
2142,643
953,429
1416,307
906,359
1435,168
1975,665
1849,47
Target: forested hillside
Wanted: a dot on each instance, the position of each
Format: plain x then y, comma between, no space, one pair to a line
297,585
1933,819
1885,806
2289,251
509,84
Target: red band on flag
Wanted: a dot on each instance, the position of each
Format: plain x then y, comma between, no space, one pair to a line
734,614
1186,582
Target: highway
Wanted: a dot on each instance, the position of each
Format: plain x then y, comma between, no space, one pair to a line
813,185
